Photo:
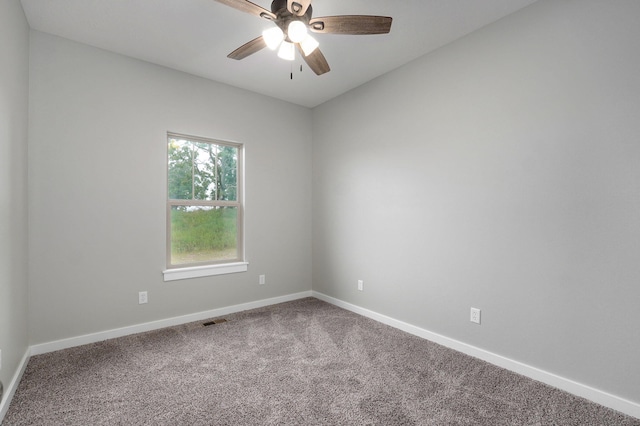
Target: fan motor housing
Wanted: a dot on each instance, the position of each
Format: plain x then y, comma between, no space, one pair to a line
284,17
276,5
279,8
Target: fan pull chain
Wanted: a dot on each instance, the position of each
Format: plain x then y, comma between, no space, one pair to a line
291,71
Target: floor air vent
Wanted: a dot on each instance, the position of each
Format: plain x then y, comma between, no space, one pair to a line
218,321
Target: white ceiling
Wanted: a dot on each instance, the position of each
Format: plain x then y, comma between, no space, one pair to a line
195,36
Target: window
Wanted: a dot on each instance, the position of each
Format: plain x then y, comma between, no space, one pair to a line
204,206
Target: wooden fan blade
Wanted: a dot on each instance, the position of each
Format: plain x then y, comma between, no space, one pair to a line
351,24
298,7
316,61
248,7
247,49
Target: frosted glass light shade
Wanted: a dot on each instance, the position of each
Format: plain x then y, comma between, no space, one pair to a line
273,37
287,51
308,45
297,31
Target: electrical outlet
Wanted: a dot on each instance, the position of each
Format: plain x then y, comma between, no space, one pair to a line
360,285
475,315
262,279
142,297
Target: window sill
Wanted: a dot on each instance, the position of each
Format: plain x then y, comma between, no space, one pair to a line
204,271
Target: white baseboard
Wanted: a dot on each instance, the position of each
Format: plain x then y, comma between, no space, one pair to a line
125,331
600,397
13,386
155,325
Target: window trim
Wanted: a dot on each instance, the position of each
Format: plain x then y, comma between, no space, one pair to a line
204,271
226,266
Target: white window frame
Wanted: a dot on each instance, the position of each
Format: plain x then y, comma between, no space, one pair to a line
227,266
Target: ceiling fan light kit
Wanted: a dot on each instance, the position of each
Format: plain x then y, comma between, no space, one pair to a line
297,31
308,45
273,37
287,51
296,34
293,21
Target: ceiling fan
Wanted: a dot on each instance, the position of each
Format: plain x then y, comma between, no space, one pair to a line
293,19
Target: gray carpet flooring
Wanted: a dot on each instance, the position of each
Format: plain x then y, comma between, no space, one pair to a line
299,363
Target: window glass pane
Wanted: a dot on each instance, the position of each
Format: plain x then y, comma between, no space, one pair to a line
180,169
204,164
228,173
203,195
203,234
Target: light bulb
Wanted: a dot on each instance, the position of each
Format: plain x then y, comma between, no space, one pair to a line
308,45
297,31
273,37
287,51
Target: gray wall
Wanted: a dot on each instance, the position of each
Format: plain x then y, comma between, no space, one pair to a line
500,172
14,89
97,189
